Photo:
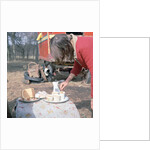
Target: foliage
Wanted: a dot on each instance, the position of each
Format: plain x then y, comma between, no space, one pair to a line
22,45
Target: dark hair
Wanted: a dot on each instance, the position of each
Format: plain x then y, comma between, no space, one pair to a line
61,48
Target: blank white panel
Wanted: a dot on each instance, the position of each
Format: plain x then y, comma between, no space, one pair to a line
124,88
125,145
124,18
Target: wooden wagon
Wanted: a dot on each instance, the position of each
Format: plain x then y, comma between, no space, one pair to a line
44,52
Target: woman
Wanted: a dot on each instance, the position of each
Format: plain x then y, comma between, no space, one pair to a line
70,47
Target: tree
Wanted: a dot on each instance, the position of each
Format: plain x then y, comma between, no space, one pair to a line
11,48
13,45
22,45
8,47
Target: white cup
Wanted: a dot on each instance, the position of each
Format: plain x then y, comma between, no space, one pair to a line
49,98
62,95
57,98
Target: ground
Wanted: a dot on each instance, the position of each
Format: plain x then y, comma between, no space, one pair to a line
77,90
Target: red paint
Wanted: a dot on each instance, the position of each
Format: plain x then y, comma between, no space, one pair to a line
43,46
57,107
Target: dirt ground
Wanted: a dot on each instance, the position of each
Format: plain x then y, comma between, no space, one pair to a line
77,90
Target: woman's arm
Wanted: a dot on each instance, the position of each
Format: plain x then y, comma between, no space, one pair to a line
70,77
76,68
74,72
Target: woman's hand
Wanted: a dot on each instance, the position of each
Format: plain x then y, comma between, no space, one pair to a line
63,85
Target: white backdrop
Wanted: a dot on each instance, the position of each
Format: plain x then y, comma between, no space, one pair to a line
124,18
124,84
121,119
49,16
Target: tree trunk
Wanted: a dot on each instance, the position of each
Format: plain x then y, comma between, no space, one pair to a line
8,49
27,54
23,53
14,52
33,52
37,51
7,54
37,54
13,45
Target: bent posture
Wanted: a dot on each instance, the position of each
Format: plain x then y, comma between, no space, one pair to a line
70,47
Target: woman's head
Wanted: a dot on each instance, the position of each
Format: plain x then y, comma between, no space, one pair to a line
61,47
